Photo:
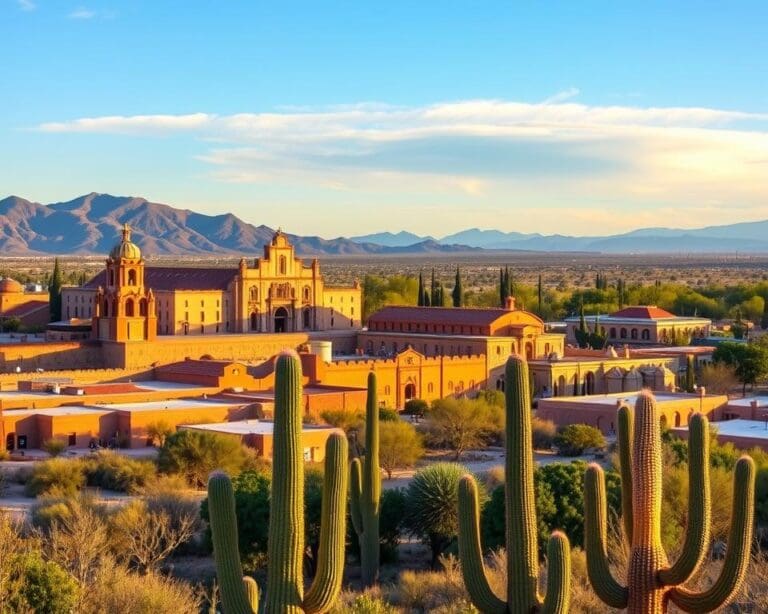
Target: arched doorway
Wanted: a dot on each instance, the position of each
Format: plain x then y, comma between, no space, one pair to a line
254,321
529,351
281,320
590,383
410,391
306,315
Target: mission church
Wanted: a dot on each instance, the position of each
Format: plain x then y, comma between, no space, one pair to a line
278,293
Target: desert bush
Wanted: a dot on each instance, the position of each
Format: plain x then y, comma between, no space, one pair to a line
544,432
462,424
47,588
194,454
115,471
387,414
399,446
370,602
116,589
574,439
492,478
348,421
429,591
57,476
54,447
158,431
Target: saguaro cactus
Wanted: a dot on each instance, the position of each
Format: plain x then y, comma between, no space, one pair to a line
366,490
652,582
521,541
285,583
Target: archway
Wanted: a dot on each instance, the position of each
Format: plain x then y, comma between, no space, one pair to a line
254,321
129,311
281,320
561,391
529,351
307,321
410,391
677,418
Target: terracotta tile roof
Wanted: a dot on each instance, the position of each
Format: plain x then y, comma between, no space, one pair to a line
207,368
26,308
650,312
168,278
451,316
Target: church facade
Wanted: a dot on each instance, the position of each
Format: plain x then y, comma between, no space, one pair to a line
277,293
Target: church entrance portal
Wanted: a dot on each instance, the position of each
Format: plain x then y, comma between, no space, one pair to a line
281,320
410,391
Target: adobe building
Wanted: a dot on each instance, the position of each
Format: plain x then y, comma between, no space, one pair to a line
743,434
641,325
675,409
29,308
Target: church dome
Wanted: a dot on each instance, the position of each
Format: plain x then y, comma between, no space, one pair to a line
10,286
126,249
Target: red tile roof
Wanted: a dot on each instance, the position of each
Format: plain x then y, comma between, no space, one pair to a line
24,309
167,278
650,312
451,316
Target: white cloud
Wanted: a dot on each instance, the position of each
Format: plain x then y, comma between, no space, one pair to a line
82,13
26,5
571,92
680,163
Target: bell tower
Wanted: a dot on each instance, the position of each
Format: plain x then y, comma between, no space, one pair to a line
125,308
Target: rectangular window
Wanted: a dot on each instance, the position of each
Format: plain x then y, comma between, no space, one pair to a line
72,439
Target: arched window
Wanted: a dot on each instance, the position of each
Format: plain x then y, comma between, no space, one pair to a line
613,333
633,333
645,334
129,308
132,277
143,307
254,293
283,265
623,333
387,390
306,293
430,388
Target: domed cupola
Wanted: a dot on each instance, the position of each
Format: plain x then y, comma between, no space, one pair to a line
10,286
126,249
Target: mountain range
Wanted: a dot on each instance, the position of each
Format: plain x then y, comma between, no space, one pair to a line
90,224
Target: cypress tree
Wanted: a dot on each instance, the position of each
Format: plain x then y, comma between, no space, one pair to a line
510,283
501,287
421,290
440,295
690,373
458,293
541,310
434,297
54,292
425,302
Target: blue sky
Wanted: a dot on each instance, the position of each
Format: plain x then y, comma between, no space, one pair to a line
348,118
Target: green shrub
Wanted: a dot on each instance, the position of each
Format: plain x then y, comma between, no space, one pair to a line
194,454
54,447
574,439
47,588
387,414
400,446
114,471
57,476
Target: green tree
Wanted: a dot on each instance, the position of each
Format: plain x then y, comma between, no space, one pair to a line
158,431
461,424
432,505
749,361
422,291
54,292
399,446
458,293
690,373
574,439
195,454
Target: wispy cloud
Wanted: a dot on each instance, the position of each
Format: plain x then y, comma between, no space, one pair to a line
82,13
558,155
26,5
571,92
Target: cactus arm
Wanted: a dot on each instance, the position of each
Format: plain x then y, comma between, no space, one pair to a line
697,533
252,592
355,492
235,596
739,546
285,549
326,586
470,552
371,491
558,598
626,425
598,568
